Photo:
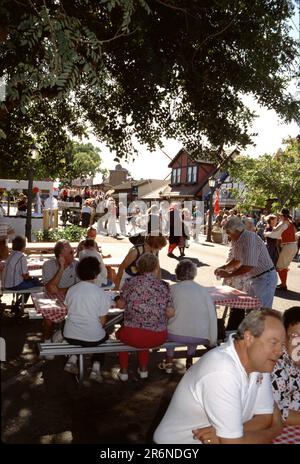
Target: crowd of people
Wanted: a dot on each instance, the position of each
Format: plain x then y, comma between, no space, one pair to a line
228,395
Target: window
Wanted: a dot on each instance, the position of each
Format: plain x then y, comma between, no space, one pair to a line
192,174
176,174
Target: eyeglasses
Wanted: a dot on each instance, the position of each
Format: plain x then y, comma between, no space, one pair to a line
293,335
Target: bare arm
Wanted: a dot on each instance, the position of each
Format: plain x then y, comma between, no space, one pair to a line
120,303
127,261
158,272
254,434
170,312
240,271
103,320
234,263
261,429
293,418
52,285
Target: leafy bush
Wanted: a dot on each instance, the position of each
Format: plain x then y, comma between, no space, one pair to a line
71,233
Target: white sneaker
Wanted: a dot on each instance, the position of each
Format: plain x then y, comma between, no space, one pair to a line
143,374
123,376
96,376
71,368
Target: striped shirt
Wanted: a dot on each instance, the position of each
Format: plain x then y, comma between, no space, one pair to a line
68,278
15,267
250,250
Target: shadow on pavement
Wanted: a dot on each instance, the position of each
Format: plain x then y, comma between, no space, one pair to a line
288,295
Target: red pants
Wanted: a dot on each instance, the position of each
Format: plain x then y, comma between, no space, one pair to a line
139,338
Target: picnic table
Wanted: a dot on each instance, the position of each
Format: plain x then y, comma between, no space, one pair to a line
42,247
289,436
112,262
231,298
52,307
224,295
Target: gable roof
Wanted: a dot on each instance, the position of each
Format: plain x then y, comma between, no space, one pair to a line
181,152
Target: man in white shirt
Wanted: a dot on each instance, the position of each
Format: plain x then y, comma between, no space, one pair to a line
59,274
226,397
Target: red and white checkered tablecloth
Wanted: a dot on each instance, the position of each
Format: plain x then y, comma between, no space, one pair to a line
290,436
33,265
51,307
228,296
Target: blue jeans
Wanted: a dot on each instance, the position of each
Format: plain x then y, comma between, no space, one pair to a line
25,285
264,287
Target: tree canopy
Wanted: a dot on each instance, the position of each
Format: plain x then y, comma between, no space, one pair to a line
270,177
140,69
83,161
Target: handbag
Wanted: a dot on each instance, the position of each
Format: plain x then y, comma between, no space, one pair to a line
187,243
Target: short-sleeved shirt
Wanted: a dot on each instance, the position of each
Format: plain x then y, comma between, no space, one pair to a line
15,267
86,303
216,391
146,299
68,278
286,385
251,250
80,247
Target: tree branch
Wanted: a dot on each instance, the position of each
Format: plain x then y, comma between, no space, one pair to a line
172,6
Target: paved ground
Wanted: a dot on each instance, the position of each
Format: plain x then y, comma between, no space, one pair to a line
42,404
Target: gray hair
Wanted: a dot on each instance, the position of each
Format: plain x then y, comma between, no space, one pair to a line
148,262
59,246
186,270
235,223
255,322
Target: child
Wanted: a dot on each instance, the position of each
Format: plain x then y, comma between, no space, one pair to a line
16,276
89,249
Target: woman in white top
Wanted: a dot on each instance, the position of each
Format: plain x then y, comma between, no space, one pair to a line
87,306
195,320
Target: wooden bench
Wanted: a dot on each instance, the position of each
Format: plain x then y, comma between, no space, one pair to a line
110,346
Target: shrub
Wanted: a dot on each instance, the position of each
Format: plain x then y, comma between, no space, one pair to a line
71,233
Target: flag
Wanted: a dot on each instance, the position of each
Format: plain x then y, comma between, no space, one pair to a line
216,203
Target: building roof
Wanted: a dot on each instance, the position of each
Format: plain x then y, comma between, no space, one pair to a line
128,184
158,192
184,190
182,151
